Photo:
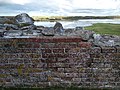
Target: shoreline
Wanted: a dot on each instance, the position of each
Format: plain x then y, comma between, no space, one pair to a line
71,18
66,18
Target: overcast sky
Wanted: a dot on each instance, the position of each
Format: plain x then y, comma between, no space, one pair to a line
60,7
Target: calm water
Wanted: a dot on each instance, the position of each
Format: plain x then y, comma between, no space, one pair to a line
82,23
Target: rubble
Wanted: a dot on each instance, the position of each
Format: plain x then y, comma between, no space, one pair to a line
24,26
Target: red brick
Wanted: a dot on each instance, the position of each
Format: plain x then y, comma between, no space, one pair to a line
77,39
84,44
59,39
55,39
68,39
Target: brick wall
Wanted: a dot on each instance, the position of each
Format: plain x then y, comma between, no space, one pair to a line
58,61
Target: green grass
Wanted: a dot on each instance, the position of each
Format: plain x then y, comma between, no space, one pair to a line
105,28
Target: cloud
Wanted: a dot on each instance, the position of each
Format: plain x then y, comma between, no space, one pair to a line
21,2
96,4
61,7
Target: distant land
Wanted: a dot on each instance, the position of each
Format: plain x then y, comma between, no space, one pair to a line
70,18
67,18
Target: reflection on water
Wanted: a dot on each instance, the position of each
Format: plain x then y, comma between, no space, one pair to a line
82,23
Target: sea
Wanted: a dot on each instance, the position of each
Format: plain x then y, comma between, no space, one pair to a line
78,23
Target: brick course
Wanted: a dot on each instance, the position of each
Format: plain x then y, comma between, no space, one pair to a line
62,61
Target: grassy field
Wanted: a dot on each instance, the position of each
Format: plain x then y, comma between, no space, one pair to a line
105,28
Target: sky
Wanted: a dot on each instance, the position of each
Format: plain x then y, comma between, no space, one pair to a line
60,7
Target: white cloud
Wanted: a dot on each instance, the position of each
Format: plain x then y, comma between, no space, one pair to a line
68,4
64,7
96,4
21,2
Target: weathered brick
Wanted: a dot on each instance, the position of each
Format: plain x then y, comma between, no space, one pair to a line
67,50
108,49
60,70
70,70
46,50
37,40
62,45
58,65
36,45
58,60
25,45
45,45
84,44
58,50
95,50
57,55
118,49
69,39
96,56
49,60
63,60
56,39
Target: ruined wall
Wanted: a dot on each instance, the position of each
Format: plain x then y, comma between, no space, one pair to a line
63,61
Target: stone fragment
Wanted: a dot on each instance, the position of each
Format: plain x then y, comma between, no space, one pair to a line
11,26
106,40
58,28
6,20
30,27
85,34
13,33
24,19
48,31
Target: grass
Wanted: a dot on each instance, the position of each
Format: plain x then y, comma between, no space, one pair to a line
105,28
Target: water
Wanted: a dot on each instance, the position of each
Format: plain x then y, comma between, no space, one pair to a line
81,23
